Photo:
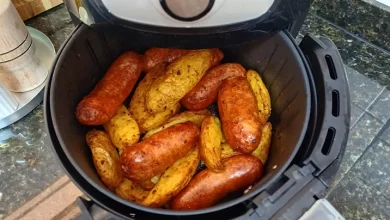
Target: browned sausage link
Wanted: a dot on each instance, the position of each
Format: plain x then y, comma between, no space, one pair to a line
239,115
110,92
155,154
208,187
154,56
206,91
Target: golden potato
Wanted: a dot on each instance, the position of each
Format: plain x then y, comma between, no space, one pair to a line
159,118
105,158
192,116
174,179
262,151
149,184
211,138
262,95
227,151
147,121
131,191
122,129
179,78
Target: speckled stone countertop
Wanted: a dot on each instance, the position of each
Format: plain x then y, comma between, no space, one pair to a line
27,164
360,189
367,19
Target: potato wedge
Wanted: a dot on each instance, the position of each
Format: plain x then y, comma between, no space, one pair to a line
122,129
149,184
105,158
227,151
147,121
262,151
192,116
131,191
158,119
179,78
262,95
174,179
211,138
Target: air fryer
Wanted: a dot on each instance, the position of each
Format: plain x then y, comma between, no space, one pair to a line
307,84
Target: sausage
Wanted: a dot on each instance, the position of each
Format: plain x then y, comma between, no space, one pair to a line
154,56
105,99
155,154
206,91
208,187
239,115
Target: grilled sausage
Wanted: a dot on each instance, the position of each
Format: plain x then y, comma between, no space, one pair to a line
239,115
208,187
206,91
155,56
155,154
105,99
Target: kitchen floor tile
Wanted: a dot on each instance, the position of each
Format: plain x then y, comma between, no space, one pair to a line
360,137
381,107
385,135
27,163
373,168
363,90
356,200
356,114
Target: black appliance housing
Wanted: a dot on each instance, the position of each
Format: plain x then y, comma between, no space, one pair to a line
310,99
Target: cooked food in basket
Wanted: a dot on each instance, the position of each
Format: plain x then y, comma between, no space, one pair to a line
150,153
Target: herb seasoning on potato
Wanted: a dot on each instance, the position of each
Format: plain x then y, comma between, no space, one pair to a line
123,129
179,78
105,158
174,179
211,138
263,99
147,121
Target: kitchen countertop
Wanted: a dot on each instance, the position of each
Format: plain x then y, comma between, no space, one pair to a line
359,191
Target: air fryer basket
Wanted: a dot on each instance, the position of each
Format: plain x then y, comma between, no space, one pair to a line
88,53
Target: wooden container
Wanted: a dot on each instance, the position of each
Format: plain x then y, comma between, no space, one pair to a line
20,69
30,8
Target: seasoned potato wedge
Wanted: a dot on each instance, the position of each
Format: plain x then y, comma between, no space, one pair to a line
179,78
147,121
262,151
262,95
149,184
174,179
105,158
193,116
211,138
159,118
131,191
227,151
122,129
